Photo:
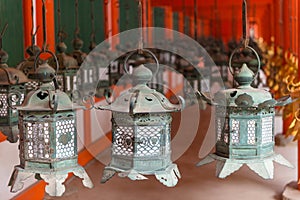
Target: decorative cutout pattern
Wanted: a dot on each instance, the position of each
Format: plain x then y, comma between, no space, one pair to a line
267,130
251,132
65,136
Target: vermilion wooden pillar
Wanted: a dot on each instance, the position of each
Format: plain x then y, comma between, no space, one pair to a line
27,24
112,14
168,21
50,26
149,20
180,22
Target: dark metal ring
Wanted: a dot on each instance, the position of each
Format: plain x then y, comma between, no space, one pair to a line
137,51
235,51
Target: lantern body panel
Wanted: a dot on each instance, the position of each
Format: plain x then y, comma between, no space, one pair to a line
141,142
244,133
10,95
141,124
245,129
48,140
48,137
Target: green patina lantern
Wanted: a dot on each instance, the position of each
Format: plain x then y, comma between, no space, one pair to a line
141,127
245,127
67,72
27,67
12,93
48,136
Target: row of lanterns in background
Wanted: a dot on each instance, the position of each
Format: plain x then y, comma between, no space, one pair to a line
41,112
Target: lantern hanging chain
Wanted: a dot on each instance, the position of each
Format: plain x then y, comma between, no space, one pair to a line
60,31
76,35
281,21
2,34
184,12
215,18
92,21
290,25
244,16
44,27
195,19
126,15
33,33
140,16
233,23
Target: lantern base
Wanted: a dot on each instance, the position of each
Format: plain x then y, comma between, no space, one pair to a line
168,176
262,166
54,179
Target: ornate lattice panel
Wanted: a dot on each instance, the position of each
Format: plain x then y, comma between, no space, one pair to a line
31,85
123,141
37,140
149,140
65,137
60,80
267,130
219,129
18,103
4,105
251,132
235,131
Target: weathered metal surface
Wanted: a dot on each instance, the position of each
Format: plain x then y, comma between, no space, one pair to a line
141,127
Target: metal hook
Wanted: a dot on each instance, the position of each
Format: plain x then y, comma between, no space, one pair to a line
140,15
44,26
77,29
92,36
2,34
244,16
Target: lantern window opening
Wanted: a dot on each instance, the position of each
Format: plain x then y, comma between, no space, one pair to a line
267,129
251,132
235,131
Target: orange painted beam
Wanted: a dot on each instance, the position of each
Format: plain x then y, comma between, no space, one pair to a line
2,137
180,22
111,18
27,24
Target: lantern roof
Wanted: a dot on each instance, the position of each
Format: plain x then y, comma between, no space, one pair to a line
47,97
244,95
141,98
11,76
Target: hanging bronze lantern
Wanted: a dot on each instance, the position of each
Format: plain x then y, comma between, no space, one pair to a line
245,126
48,136
12,93
141,127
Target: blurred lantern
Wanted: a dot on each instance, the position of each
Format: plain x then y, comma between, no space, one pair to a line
68,66
245,127
48,136
48,133
27,65
77,42
12,93
141,127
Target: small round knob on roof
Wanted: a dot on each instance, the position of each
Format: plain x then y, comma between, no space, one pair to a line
77,44
245,76
45,73
3,57
61,47
33,50
141,75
